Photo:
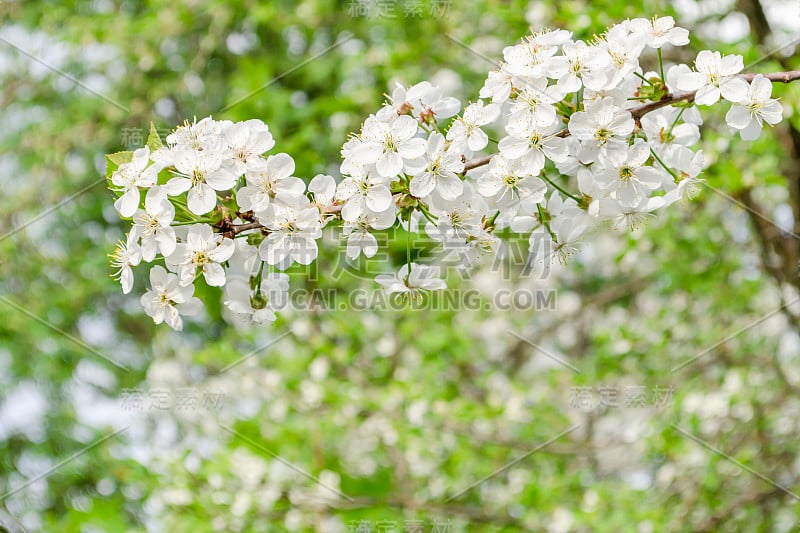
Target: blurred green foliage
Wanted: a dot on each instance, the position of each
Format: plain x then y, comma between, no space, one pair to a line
398,410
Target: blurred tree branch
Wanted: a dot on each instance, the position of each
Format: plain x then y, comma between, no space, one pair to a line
786,246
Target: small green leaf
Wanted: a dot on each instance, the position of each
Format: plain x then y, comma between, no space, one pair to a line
154,140
120,157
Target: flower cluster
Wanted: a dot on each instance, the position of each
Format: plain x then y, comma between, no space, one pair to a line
200,189
585,133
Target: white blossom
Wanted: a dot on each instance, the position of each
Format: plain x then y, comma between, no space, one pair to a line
623,50
688,165
532,144
581,65
664,130
126,255
246,142
257,305
629,217
323,187
269,180
202,174
167,299
755,108
132,175
508,182
535,104
387,145
361,193
567,225
498,85
459,219
659,31
358,232
715,77
602,128
412,279
628,178
466,132
530,58
436,170
294,228
152,224
205,250
205,135
425,101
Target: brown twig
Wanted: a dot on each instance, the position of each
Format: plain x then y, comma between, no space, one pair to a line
240,228
236,229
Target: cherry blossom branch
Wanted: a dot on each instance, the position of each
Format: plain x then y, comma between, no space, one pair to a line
479,162
668,99
283,217
781,77
637,113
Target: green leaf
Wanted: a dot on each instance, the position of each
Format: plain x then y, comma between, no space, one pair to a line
154,140
120,157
